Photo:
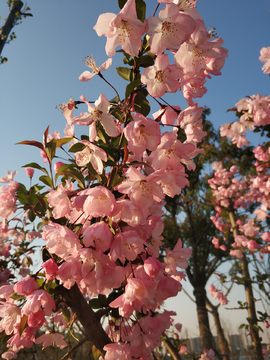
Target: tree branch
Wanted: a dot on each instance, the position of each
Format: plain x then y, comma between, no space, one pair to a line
94,331
9,24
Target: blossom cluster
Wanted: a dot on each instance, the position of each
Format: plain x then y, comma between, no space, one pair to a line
232,194
218,294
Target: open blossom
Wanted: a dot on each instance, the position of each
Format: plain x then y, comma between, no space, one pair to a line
8,199
59,200
120,351
99,201
26,286
51,338
167,115
199,56
9,176
11,317
61,240
90,62
161,77
123,29
99,112
142,133
99,236
38,300
171,153
91,154
170,30
177,258
265,58
143,190
208,355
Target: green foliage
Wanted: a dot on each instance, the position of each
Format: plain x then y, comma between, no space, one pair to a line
124,73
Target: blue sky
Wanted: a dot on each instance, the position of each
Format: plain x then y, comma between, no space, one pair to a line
46,59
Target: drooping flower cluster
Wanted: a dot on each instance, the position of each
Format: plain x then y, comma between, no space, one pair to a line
218,294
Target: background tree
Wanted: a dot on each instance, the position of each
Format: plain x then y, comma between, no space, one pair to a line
188,217
14,18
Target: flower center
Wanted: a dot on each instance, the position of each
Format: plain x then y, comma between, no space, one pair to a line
124,31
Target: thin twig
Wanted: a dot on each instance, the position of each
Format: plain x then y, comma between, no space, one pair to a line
74,348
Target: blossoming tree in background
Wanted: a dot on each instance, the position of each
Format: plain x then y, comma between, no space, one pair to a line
242,200
100,212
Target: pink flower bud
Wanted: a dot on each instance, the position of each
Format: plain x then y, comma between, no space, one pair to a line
29,172
51,269
178,327
57,166
266,325
152,267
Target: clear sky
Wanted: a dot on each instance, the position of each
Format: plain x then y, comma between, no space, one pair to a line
46,59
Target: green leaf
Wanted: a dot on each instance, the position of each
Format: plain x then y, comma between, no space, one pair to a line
121,3
103,299
32,199
101,134
124,72
76,175
36,166
85,137
16,297
241,326
142,106
141,9
147,60
50,149
31,215
22,188
63,141
92,171
61,170
95,353
66,314
22,197
76,147
112,153
95,303
46,180
130,87
256,327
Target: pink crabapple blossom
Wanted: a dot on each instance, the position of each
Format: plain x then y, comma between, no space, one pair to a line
161,77
123,29
91,63
91,154
170,30
265,58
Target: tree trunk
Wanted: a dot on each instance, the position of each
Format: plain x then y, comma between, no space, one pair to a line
222,341
93,330
172,350
256,340
202,313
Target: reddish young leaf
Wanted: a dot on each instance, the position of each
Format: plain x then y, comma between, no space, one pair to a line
32,143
